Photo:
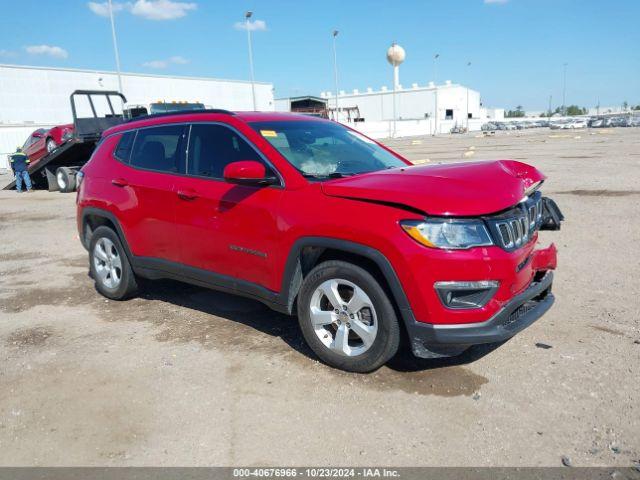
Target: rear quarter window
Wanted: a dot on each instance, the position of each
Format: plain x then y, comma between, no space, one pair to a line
123,150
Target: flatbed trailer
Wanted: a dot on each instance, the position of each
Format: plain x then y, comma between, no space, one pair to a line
57,170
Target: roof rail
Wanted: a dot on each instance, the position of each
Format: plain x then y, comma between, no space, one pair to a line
183,112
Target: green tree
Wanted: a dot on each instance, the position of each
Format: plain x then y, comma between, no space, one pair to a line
625,105
575,110
517,113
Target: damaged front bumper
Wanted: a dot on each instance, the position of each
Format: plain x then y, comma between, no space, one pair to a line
433,341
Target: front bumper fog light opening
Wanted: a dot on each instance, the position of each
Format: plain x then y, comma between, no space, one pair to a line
466,295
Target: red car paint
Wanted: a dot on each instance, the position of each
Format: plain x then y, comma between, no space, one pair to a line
35,147
458,189
215,226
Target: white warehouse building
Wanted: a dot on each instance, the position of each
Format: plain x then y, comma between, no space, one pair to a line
420,110
453,102
38,97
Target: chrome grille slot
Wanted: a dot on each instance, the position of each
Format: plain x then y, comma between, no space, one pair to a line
505,235
524,225
517,233
539,209
532,216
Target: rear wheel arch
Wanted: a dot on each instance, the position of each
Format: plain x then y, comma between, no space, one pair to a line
92,218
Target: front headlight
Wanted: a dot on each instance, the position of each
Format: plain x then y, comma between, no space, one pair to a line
448,233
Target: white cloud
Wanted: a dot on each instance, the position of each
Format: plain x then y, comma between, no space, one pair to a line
179,60
253,26
149,9
161,9
8,54
495,2
52,51
160,64
156,64
102,8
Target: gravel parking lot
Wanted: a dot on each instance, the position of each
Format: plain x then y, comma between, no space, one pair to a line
186,376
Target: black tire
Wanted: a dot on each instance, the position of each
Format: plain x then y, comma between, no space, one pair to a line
66,179
387,339
128,284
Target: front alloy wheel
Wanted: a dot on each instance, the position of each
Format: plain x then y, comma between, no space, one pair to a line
343,317
347,318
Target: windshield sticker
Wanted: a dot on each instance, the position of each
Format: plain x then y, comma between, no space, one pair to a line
268,133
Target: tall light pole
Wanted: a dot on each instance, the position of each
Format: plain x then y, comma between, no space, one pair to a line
115,46
468,65
435,93
564,89
549,111
247,24
335,70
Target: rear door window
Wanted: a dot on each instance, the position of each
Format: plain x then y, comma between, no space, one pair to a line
160,149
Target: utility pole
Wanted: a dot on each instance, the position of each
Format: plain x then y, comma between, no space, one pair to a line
247,16
549,111
564,89
115,46
335,69
468,65
435,93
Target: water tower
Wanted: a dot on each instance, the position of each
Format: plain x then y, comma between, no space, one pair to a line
395,56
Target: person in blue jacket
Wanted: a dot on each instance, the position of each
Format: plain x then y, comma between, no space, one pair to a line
19,165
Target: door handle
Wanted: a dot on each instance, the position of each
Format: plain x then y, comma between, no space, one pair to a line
119,182
187,194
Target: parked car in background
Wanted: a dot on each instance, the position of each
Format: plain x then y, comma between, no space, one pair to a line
596,122
443,255
579,123
42,141
623,122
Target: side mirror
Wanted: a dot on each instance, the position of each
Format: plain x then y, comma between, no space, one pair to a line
37,135
248,172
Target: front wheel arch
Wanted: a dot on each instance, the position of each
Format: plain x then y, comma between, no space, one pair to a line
307,252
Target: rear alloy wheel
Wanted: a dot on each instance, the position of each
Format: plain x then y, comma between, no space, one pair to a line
347,318
110,266
66,179
51,145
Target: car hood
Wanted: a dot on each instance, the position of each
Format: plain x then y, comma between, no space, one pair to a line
457,189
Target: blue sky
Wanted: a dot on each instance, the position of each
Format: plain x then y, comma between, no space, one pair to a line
516,47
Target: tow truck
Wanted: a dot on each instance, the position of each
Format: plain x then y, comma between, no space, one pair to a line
57,170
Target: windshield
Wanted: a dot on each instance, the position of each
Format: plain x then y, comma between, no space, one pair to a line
326,149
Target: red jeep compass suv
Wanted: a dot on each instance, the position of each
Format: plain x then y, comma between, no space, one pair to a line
311,217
